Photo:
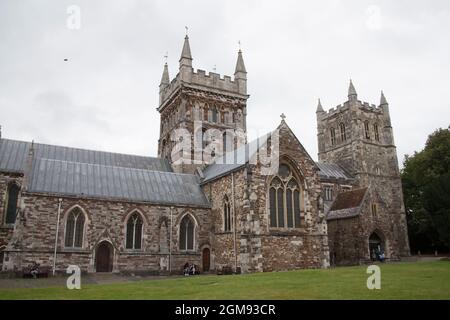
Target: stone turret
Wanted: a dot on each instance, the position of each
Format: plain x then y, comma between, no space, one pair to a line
319,107
186,61
165,81
240,74
352,95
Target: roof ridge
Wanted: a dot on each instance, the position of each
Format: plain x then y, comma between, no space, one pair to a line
82,149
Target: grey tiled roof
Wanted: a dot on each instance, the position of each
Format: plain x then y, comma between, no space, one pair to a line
233,160
332,171
347,204
85,173
109,182
13,155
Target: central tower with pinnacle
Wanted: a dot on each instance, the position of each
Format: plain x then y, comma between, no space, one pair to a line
204,107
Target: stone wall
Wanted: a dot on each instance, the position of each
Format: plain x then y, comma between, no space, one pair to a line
270,248
34,235
349,237
224,243
374,163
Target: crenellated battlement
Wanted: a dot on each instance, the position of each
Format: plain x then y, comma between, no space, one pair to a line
344,107
200,79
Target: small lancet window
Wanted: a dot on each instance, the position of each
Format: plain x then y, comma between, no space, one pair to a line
343,133
375,130
11,203
333,136
366,130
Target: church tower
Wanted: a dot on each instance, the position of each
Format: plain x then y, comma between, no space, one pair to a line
202,115
358,136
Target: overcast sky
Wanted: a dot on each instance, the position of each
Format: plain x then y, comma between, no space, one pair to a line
104,97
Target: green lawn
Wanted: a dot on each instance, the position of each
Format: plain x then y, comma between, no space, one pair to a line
421,280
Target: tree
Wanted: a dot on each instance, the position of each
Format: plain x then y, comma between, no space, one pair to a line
426,188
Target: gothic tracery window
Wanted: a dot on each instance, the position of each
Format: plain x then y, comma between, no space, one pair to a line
11,203
134,232
187,233
285,200
74,229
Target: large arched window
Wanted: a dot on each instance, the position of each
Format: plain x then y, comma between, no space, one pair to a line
343,134
134,232
187,234
74,228
11,203
226,214
285,199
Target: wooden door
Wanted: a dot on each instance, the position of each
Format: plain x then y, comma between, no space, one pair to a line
104,257
206,259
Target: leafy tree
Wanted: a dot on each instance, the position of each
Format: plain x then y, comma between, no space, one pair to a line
426,188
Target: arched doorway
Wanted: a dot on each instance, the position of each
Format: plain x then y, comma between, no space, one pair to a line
206,258
104,257
375,245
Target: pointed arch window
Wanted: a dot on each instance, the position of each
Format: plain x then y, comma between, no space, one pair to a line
214,115
11,203
375,130
74,229
333,136
226,214
285,202
134,232
343,133
224,142
187,233
366,130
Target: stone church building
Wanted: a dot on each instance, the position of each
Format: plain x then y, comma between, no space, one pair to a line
210,197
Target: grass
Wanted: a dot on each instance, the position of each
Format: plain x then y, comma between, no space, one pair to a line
420,280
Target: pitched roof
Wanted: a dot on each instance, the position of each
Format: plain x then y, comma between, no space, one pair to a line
233,160
111,182
347,204
331,170
13,155
104,175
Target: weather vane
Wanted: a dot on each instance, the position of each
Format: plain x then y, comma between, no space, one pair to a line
166,56
239,42
282,116
186,30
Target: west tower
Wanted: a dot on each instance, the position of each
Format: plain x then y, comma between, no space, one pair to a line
358,136
207,107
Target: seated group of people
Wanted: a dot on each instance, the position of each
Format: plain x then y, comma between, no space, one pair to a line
378,255
190,269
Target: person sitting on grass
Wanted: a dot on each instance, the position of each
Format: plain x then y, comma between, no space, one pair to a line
186,269
34,270
381,256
